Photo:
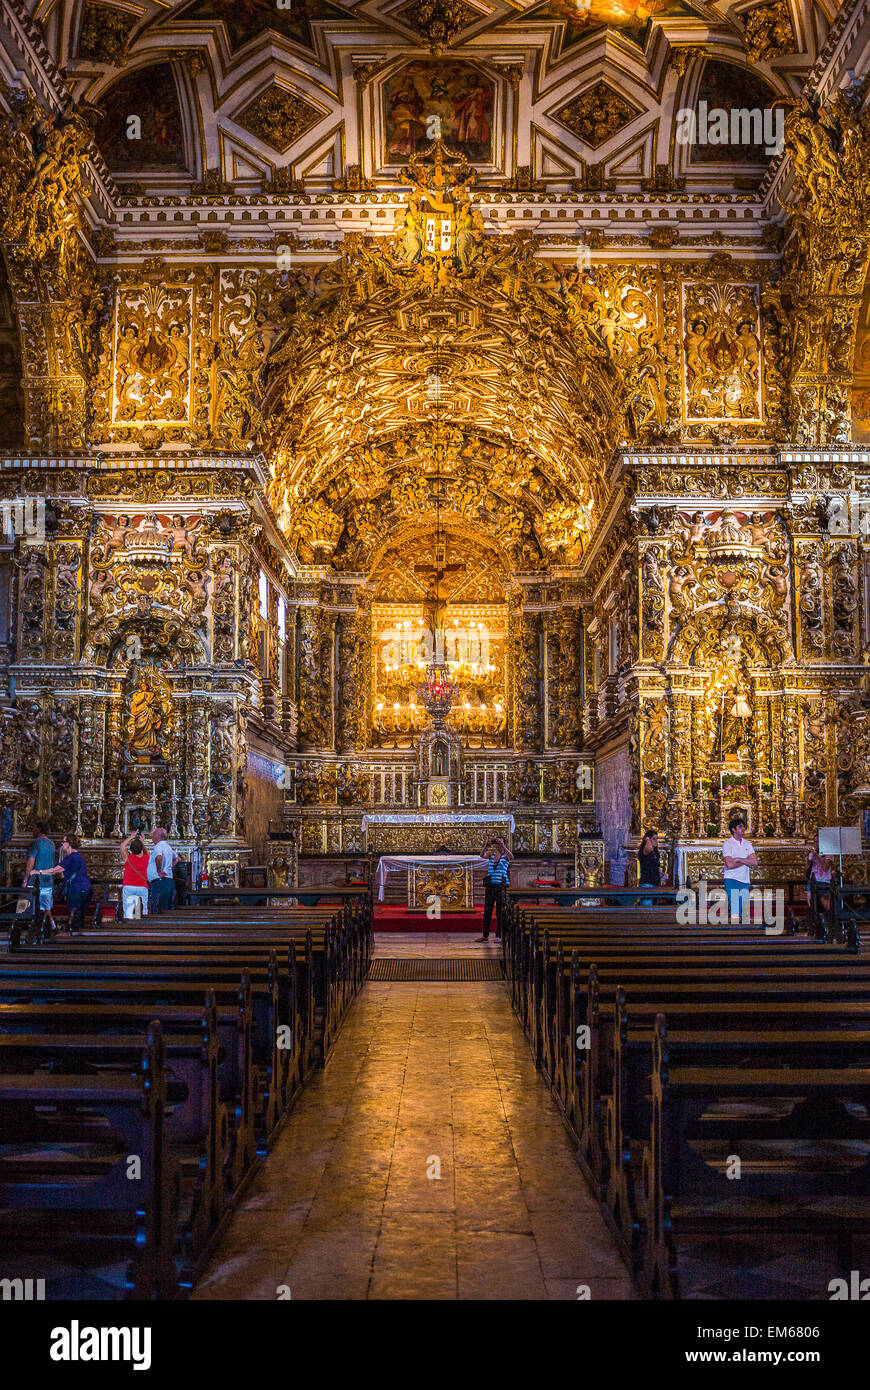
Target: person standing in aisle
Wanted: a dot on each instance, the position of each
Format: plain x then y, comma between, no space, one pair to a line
497,877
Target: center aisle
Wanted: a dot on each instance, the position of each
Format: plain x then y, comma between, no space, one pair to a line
424,1077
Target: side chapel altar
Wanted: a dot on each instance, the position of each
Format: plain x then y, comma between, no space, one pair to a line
447,877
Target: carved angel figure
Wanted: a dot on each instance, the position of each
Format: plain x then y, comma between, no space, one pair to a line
117,536
691,532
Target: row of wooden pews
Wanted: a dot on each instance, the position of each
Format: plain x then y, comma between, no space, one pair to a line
716,1080
146,1069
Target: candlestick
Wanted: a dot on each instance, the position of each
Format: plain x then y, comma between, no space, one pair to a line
116,828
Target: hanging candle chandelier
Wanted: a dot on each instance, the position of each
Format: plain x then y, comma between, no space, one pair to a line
437,691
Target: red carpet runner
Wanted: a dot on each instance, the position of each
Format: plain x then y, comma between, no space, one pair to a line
400,919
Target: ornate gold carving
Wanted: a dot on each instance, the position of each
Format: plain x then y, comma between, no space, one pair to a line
41,164
768,31
152,355
597,114
353,181
104,33
279,117
663,181
441,225
722,351
825,260
438,21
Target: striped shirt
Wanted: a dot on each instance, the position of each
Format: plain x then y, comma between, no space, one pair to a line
498,869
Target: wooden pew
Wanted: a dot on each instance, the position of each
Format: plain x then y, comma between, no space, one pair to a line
551,1001
108,1019
833,1033
674,1173
84,1194
143,984
299,970
776,995
197,1126
330,965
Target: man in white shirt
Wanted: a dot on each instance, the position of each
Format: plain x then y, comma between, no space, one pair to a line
739,857
160,880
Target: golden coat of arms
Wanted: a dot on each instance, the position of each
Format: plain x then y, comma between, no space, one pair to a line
442,229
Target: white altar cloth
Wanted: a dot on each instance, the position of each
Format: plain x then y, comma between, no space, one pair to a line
391,863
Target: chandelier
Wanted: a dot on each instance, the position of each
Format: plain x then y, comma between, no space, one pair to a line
437,691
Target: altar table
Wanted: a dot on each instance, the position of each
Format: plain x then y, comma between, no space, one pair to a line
447,877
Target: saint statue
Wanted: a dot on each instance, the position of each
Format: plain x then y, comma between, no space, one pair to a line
726,709
150,722
735,713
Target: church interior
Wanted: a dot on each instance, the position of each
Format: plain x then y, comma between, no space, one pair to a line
434,457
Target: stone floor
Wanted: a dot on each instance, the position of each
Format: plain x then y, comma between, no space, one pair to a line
433,944
425,1080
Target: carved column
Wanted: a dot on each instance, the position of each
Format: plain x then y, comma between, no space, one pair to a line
527,684
350,708
653,604
33,582
197,760
554,694
268,658
315,717
366,654
90,760
66,567
288,704
844,601
570,658
329,676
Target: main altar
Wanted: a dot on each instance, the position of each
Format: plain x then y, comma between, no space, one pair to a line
445,879
415,832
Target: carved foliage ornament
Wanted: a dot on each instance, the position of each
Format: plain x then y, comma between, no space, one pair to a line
722,351
41,163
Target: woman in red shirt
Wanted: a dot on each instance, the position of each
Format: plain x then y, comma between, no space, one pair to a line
135,881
